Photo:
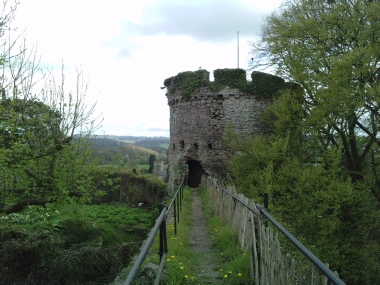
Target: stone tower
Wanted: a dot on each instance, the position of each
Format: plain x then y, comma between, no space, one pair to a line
200,111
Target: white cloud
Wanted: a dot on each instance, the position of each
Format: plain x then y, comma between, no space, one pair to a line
128,48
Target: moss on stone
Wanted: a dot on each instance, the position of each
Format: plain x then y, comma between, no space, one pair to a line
188,83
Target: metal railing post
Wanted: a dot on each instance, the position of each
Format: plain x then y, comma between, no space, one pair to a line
266,201
175,217
163,238
178,206
180,196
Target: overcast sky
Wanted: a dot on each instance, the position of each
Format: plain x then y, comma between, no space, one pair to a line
128,48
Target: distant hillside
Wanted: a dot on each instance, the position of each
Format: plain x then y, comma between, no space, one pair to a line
128,149
159,144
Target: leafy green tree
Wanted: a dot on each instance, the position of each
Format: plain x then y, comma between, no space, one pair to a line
320,162
330,48
44,157
152,159
333,216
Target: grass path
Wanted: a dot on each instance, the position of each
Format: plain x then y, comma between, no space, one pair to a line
208,259
205,249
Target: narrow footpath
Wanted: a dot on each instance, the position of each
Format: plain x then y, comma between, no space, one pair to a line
201,241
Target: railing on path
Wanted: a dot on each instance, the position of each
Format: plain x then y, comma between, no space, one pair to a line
275,257
159,227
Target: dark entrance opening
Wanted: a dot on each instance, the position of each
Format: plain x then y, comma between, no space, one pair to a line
195,173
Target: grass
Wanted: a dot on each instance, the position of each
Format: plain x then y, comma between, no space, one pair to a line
71,241
113,223
235,268
180,260
182,264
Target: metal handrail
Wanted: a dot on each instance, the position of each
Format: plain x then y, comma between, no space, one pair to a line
307,253
136,267
331,276
160,226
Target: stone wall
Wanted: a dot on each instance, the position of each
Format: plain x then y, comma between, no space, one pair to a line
197,126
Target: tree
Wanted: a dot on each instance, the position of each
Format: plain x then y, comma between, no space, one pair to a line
320,162
152,159
330,48
336,218
45,156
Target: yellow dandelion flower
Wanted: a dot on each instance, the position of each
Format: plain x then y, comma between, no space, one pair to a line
168,259
221,270
181,267
240,274
172,256
229,272
186,276
225,276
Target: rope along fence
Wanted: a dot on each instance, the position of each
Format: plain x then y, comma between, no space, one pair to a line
276,256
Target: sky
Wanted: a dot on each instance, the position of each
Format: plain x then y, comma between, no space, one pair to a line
126,49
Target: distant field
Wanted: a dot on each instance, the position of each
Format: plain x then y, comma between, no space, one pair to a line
165,145
127,141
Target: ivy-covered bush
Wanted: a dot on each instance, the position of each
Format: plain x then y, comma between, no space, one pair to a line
168,81
122,185
265,85
233,78
188,83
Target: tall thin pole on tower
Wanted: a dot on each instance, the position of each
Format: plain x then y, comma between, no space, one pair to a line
238,49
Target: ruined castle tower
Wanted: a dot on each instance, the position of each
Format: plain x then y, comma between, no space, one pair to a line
201,110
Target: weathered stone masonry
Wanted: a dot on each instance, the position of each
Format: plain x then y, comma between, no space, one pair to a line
197,125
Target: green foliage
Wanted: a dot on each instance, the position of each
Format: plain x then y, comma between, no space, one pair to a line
30,215
70,243
336,68
188,83
310,189
168,82
328,173
233,78
265,85
155,185
37,160
318,203
180,259
121,184
152,159
40,162
182,264
235,267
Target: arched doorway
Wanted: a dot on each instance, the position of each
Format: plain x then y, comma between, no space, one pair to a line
195,173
